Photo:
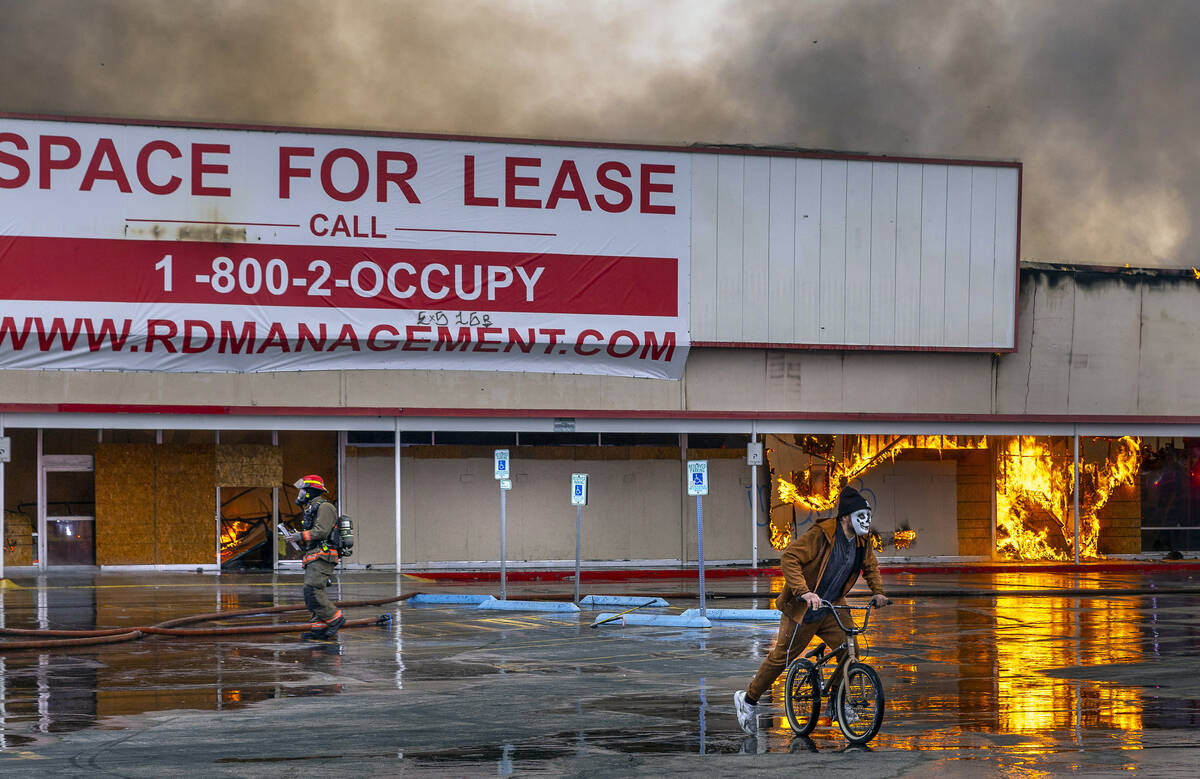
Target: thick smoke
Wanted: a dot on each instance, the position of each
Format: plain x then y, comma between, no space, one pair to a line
1098,98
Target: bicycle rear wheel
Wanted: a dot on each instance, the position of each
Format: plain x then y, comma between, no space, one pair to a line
860,704
802,696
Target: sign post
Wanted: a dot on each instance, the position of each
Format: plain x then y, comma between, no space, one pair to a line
697,484
754,458
578,500
504,476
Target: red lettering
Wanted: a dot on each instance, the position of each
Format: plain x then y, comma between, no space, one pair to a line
305,335
143,168
483,334
553,333
8,326
452,344
152,334
649,187
200,168
346,337
514,339
584,335
603,175
666,352
230,341
58,329
512,181
276,338
616,338
18,164
361,183
190,325
410,338
109,329
105,150
568,172
287,171
469,197
372,338
399,178
49,162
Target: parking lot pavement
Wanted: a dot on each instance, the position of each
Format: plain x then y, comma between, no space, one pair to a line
986,684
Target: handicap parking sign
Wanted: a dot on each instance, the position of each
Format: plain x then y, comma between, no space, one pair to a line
697,482
579,489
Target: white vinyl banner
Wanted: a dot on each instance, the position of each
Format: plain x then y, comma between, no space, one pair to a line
141,247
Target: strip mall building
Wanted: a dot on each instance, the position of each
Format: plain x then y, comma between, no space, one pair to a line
193,317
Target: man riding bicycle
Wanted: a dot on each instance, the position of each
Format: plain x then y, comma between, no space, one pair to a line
822,564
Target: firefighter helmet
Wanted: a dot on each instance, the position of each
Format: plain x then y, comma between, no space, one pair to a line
310,486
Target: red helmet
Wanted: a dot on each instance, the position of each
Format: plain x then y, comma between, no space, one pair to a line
312,482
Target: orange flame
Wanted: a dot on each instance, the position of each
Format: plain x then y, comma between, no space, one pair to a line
817,491
1035,502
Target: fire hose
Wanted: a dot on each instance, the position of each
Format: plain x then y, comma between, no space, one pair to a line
72,638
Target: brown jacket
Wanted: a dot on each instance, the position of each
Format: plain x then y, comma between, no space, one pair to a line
804,562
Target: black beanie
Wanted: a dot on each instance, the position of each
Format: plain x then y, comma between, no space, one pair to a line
851,501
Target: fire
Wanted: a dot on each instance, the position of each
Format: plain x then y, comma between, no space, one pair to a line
232,532
1034,482
1034,500
816,488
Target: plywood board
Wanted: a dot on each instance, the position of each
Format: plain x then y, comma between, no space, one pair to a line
185,505
125,504
249,465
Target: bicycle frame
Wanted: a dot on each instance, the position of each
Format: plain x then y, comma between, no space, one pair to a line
851,631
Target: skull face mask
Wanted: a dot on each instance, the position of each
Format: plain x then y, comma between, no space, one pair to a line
861,520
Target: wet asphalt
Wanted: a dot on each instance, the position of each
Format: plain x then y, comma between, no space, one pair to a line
990,674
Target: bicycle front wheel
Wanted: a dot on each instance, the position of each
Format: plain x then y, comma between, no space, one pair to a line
860,704
802,696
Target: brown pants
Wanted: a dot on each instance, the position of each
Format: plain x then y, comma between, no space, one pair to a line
792,639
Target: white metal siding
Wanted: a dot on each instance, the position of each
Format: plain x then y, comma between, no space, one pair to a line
856,253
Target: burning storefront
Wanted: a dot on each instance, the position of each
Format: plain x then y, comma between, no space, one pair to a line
1029,500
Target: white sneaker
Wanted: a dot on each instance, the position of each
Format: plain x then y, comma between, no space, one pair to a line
747,715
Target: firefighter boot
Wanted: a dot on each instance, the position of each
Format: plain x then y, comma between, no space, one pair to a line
316,631
335,625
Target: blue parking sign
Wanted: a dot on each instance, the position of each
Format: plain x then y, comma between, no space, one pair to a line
697,482
579,495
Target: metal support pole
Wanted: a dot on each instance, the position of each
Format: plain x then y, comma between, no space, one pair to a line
2,505
683,505
396,493
218,521
40,549
700,546
753,507
275,512
578,529
503,551
1075,496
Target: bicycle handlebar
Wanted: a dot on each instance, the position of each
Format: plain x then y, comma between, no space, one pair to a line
853,631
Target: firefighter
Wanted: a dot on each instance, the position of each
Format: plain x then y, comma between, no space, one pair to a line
320,558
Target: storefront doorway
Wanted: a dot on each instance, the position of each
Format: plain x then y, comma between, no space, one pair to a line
66,510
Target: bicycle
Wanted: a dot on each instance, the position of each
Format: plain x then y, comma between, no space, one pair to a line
859,697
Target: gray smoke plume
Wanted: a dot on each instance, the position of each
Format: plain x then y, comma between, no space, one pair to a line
1098,98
